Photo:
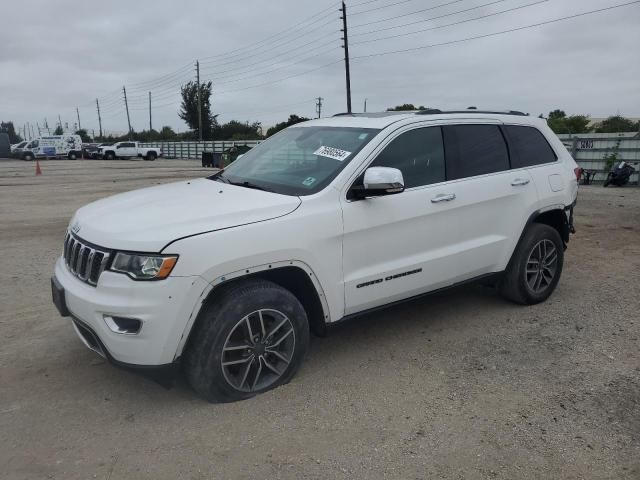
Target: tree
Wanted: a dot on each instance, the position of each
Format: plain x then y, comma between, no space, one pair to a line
83,135
235,130
559,122
58,130
10,129
293,119
189,108
406,107
617,124
167,133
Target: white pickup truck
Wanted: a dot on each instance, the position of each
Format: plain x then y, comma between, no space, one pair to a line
128,150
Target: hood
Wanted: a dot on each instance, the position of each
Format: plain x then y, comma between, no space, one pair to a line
148,219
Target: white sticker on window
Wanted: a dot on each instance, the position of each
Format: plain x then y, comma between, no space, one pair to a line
331,152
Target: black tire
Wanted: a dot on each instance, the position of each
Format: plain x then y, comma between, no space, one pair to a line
226,315
72,155
28,156
516,282
606,183
109,156
150,156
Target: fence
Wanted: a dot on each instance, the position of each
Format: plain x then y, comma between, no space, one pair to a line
589,151
193,150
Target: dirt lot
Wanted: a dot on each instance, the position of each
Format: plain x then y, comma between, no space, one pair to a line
460,385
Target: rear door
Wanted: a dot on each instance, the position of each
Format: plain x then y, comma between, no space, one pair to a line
491,200
126,149
531,150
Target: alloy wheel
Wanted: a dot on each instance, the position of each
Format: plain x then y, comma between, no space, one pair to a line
258,350
542,266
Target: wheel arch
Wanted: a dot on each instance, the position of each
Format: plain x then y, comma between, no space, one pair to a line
556,218
295,276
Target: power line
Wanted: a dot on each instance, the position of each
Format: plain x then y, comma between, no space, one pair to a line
283,78
468,39
261,73
219,74
408,14
379,8
451,24
424,20
258,53
264,41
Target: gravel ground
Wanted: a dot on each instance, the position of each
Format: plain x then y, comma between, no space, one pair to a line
459,385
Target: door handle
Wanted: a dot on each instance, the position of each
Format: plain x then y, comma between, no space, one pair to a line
519,182
443,197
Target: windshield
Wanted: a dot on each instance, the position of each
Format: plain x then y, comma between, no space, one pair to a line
298,160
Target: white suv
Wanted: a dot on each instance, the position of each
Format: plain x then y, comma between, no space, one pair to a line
324,221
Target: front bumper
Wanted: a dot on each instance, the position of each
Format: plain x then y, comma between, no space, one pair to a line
164,308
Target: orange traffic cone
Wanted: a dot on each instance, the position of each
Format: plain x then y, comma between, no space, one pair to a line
38,171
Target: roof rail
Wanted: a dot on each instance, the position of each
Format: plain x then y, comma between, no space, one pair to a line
493,112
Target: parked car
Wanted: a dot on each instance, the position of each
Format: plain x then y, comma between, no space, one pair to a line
129,150
53,146
17,147
326,220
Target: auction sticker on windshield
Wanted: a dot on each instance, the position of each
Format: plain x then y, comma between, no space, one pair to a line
332,152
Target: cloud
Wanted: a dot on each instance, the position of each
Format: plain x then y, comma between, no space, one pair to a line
63,54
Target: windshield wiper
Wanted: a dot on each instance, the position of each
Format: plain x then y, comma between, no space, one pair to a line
221,177
250,185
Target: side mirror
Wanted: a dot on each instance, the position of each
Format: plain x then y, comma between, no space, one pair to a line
379,181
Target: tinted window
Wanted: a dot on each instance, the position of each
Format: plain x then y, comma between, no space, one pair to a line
418,154
528,147
474,150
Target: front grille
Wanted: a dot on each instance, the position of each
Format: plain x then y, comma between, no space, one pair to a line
83,260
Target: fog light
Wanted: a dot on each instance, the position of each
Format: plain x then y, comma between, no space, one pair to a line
123,325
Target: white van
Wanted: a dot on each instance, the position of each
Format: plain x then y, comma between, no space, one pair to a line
53,146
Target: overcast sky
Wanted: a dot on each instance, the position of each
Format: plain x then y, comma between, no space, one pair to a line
60,54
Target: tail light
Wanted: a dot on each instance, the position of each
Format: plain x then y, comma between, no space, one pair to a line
578,172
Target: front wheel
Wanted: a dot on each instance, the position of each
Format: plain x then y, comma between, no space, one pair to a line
109,156
250,339
535,267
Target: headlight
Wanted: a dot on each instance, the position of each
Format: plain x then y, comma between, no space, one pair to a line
144,267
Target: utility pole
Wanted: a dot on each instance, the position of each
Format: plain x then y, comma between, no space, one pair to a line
38,125
78,113
319,106
199,100
150,124
126,106
346,55
365,105
99,118
59,121
31,128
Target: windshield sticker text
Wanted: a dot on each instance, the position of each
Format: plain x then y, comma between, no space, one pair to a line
333,153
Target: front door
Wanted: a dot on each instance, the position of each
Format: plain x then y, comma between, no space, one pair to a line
388,241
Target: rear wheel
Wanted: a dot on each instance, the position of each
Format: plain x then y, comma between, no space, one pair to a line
535,268
72,155
151,156
251,339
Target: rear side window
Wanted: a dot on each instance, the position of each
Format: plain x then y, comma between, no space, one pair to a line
528,146
474,150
